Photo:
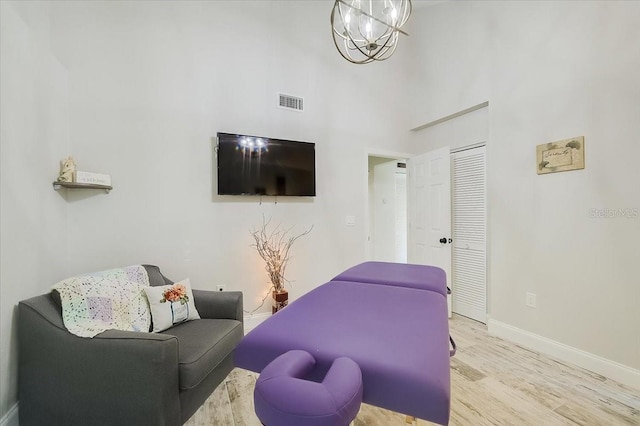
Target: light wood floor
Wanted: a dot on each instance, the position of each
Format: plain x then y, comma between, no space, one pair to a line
493,382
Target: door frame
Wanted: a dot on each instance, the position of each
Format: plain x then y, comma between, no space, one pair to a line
398,155
373,152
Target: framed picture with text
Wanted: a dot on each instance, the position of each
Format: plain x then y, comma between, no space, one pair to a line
560,156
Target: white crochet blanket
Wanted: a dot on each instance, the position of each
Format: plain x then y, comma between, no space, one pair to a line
99,301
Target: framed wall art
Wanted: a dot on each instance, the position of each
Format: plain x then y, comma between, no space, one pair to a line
560,156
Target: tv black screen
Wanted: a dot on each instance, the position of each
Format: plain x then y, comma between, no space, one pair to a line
254,165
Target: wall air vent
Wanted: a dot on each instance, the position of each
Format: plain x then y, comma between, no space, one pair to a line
290,102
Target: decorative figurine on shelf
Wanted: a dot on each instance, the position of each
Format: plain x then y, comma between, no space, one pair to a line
274,246
67,169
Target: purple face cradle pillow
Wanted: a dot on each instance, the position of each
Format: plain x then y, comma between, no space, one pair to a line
283,396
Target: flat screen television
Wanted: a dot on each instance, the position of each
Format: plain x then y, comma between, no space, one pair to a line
254,165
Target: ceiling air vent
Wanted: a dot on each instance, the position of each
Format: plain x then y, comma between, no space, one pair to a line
290,102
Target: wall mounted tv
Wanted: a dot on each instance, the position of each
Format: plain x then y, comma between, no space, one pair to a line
254,165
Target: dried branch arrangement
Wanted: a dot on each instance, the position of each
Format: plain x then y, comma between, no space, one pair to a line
273,246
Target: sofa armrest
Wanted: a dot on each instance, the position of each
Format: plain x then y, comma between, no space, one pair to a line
219,304
117,377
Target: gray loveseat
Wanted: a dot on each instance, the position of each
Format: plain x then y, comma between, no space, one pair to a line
124,377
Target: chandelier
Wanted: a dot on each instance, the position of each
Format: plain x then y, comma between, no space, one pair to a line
367,30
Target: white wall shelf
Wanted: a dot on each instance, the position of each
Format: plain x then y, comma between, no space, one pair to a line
75,185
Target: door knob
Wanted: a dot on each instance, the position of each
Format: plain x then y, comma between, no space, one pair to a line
443,240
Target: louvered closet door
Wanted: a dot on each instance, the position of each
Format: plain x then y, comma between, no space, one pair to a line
469,266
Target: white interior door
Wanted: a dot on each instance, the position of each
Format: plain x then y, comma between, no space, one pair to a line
400,223
429,209
389,212
469,280
384,212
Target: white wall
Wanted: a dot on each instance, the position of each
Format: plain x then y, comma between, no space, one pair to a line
150,85
34,135
450,70
143,89
550,70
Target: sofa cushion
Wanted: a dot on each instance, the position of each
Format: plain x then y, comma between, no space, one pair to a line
202,345
155,276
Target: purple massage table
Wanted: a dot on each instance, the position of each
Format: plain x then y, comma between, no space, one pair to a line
391,319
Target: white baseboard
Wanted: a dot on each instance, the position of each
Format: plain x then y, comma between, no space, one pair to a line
252,321
611,369
11,418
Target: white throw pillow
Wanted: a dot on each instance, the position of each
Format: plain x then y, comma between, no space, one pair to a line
171,305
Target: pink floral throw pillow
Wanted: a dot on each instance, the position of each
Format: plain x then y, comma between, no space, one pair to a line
171,305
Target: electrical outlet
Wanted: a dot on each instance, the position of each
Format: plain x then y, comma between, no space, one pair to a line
530,300
221,288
